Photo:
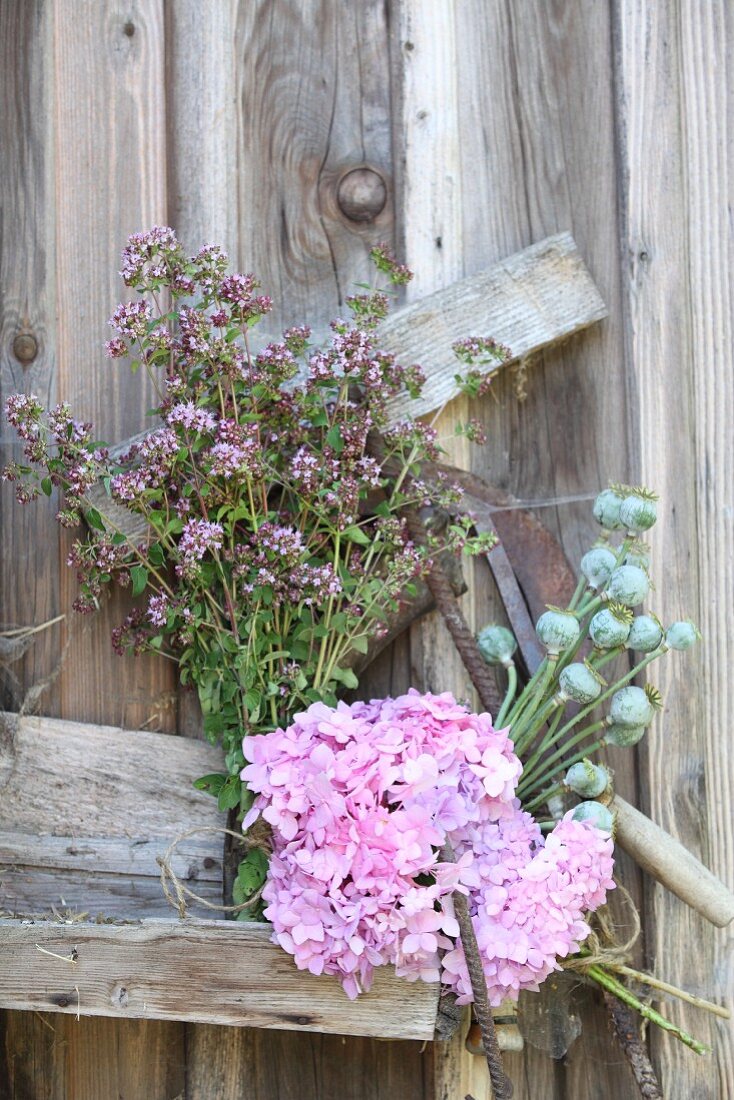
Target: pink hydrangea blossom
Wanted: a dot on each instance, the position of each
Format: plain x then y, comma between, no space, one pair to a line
362,797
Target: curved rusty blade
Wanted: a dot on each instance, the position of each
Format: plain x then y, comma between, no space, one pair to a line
528,564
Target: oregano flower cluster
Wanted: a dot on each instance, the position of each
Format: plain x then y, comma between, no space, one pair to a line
274,542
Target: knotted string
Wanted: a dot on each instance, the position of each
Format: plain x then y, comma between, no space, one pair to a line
176,892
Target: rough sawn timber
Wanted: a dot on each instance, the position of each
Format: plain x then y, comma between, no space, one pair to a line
527,302
216,972
85,810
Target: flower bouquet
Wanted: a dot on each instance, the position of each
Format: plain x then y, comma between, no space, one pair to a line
284,519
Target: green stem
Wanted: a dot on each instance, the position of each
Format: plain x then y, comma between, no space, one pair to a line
600,657
583,754
606,981
532,693
542,798
545,743
529,729
509,695
673,990
580,589
610,691
530,779
528,693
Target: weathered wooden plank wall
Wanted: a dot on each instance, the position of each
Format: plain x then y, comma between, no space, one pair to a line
493,124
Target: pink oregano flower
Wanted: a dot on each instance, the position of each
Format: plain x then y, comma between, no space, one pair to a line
360,799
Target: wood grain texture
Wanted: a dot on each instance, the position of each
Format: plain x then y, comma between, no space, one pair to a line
675,78
201,110
313,97
527,302
261,1065
86,1059
87,810
29,592
211,971
104,149
105,768
110,137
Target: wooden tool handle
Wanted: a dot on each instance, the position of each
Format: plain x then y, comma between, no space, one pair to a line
663,857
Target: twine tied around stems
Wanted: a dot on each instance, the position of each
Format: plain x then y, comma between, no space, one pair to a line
176,892
601,947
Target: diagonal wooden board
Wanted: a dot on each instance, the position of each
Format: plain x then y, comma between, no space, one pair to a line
528,301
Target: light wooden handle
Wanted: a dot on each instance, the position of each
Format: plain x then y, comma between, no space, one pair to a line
663,857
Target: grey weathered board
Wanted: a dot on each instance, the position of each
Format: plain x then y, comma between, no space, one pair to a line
216,972
86,810
529,301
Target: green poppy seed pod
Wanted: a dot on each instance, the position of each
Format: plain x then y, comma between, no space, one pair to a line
624,736
628,585
638,513
587,779
595,814
681,635
496,644
646,634
597,566
630,706
580,683
606,509
607,630
557,630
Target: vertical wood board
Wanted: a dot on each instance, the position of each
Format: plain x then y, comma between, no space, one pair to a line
674,79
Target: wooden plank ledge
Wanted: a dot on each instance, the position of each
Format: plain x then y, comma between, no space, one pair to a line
217,972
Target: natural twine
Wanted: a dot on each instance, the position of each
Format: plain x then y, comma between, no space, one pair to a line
601,947
177,892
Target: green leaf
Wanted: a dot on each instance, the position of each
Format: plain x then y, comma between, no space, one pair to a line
212,784
334,439
155,554
93,518
229,793
250,875
360,643
47,486
139,577
346,677
356,534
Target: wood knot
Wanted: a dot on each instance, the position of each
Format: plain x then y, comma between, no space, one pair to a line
25,348
361,194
